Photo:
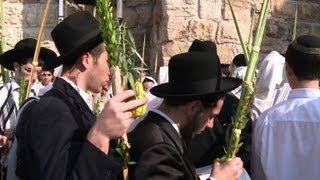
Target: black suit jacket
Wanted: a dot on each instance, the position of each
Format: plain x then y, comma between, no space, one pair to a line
52,142
159,151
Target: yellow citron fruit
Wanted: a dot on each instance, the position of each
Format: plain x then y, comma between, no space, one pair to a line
140,93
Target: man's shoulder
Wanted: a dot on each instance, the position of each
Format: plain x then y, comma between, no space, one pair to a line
148,133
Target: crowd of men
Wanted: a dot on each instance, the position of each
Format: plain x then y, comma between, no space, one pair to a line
56,135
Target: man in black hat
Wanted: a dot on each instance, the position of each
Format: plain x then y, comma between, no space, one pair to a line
210,144
286,141
58,136
19,60
193,95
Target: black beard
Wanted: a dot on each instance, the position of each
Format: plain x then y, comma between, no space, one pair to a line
188,132
187,135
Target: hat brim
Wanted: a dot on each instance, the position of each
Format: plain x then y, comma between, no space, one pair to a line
85,44
163,90
16,55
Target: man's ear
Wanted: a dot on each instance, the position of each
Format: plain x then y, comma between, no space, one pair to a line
289,71
192,107
16,66
217,108
86,60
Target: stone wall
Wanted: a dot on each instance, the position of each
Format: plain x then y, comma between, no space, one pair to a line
185,20
171,25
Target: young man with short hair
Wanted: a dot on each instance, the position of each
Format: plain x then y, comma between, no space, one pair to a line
58,136
286,143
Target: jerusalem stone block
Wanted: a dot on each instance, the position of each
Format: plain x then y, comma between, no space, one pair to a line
276,28
240,3
12,36
145,15
181,11
210,9
268,45
180,2
308,12
133,3
34,19
12,13
172,48
50,45
131,17
242,14
202,29
225,53
283,9
14,1
32,32
227,32
30,1
304,28
316,29
177,28
312,1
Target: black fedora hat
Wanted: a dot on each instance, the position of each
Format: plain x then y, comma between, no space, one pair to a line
25,49
195,74
76,34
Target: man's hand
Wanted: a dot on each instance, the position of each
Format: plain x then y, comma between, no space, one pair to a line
4,142
114,119
230,170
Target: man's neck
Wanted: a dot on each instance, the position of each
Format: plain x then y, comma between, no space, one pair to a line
75,78
174,113
305,84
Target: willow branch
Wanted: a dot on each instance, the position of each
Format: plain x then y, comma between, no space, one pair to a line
38,46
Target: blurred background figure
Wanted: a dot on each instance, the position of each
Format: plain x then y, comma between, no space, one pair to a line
238,66
271,84
47,77
149,82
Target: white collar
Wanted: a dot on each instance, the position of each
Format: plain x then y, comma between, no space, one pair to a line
14,84
85,96
175,126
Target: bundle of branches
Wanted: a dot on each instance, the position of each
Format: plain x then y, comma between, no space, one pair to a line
123,56
251,53
120,43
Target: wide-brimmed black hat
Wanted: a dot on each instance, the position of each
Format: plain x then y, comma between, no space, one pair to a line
74,35
25,49
195,74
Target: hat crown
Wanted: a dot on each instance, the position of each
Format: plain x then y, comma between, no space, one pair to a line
74,30
28,43
196,74
188,69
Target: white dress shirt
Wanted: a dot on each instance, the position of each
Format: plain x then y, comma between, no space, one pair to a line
286,141
10,94
85,96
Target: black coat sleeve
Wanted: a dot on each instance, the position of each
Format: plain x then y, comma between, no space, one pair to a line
57,150
160,162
